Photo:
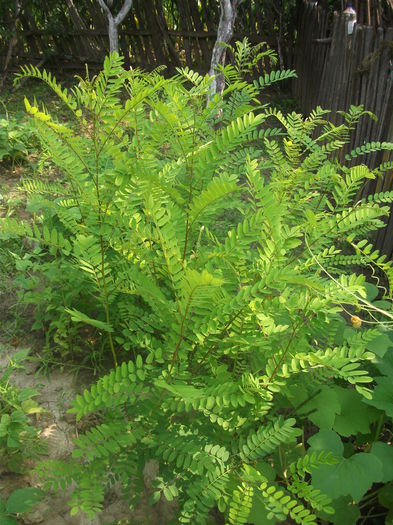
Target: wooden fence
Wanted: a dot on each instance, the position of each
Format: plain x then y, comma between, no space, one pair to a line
336,70
148,36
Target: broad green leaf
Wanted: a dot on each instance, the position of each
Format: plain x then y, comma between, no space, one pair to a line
380,345
346,511
383,395
383,305
371,290
385,496
327,440
21,355
384,453
350,477
22,500
385,364
27,393
323,408
266,469
355,417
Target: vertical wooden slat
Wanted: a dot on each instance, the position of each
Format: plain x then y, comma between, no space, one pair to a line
360,81
258,15
208,16
384,98
374,78
204,50
156,38
138,54
145,40
329,75
184,26
170,48
353,80
99,22
301,52
362,126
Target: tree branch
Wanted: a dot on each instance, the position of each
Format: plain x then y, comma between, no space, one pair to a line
114,21
105,8
123,12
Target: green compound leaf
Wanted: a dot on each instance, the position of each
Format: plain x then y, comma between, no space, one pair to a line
259,513
80,317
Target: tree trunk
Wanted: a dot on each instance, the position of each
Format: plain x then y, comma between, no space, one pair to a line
113,35
115,21
224,35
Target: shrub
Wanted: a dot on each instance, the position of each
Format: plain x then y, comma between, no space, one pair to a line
216,251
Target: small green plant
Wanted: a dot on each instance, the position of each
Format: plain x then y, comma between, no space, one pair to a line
216,258
18,437
19,502
247,57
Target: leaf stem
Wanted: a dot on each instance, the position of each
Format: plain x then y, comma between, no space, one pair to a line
100,219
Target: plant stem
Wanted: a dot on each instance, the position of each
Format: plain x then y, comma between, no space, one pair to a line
100,219
377,432
191,173
106,305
